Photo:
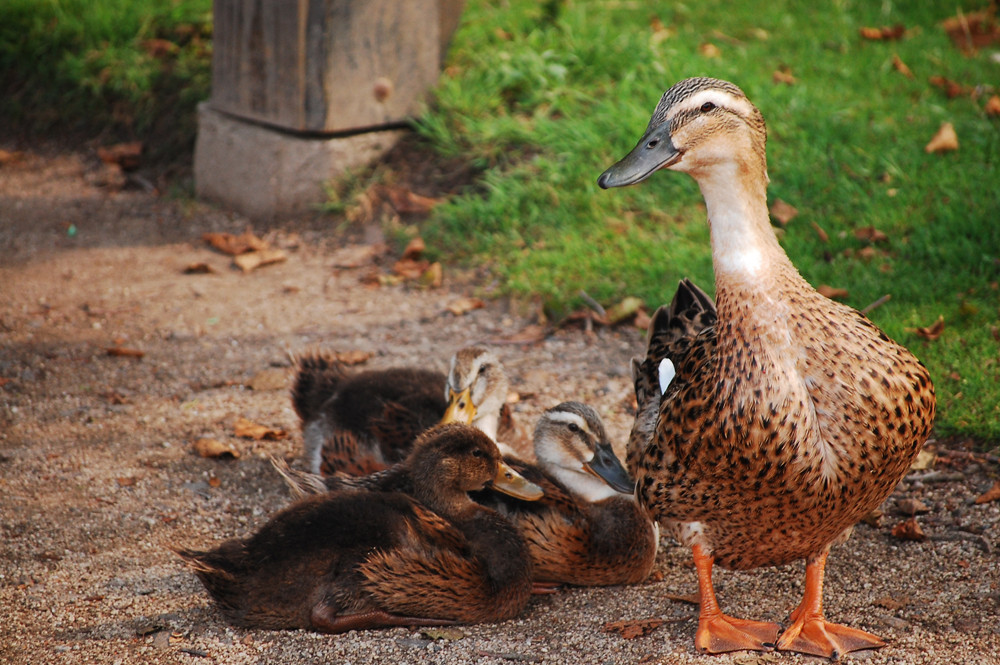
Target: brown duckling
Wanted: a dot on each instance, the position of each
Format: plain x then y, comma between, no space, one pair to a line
357,559
587,529
357,423
791,418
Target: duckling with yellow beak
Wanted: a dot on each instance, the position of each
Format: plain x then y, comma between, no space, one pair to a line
792,417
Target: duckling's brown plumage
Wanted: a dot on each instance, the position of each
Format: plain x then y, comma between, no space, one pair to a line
351,560
361,422
788,420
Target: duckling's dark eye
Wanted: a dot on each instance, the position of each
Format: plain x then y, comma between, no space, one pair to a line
707,106
483,368
573,427
653,143
478,453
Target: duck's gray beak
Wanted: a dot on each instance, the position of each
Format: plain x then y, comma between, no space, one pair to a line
606,466
654,151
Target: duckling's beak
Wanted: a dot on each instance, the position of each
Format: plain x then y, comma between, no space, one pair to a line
511,482
654,151
606,466
460,409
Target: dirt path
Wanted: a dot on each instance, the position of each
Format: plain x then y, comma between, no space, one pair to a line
97,474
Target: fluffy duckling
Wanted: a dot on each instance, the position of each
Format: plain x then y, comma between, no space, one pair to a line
587,529
357,423
791,418
352,560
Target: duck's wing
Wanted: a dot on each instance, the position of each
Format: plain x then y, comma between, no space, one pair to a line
670,361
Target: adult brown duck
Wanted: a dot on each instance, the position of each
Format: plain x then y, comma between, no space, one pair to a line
361,422
792,417
351,560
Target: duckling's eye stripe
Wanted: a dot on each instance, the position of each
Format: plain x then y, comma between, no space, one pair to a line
569,419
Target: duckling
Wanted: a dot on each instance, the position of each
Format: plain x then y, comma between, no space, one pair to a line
363,422
586,529
787,421
353,560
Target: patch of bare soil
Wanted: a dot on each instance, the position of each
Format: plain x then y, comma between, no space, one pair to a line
98,473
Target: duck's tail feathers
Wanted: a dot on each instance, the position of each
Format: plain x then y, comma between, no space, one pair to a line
317,376
300,483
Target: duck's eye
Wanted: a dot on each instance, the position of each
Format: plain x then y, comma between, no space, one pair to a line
707,106
653,143
483,368
573,427
478,453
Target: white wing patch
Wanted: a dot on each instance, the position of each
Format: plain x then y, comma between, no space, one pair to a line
667,374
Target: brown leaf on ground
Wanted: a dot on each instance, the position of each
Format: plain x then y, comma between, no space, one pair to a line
901,67
783,212
199,269
783,75
912,507
433,277
873,519
214,449
414,249
410,268
823,236
885,33
126,481
406,202
992,494
159,48
931,332
126,155
992,107
909,530
357,256
465,305
974,30
832,292
625,310
531,334
944,140
870,234
925,460
447,634
693,598
11,157
631,629
264,257
709,50
124,352
231,244
950,88
892,602
247,429
642,319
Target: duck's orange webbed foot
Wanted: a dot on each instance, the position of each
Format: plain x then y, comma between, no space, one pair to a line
719,633
810,633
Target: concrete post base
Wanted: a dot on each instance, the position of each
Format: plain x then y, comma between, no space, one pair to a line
266,174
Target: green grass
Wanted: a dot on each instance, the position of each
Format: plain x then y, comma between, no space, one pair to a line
119,68
548,97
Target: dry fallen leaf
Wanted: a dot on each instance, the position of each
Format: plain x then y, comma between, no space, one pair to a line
531,334
126,481
356,256
253,260
973,30
870,234
250,430
783,76
909,530
925,460
892,602
11,157
992,494
406,202
693,598
993,106
901,67
873,519
832,292
950,88
944,141
624,310
214,449
465,305
227,243
125,352
820,233
198,269
912,507
885,33
408,268
933,331
433,277
125,155
642,319
634,628
414,249
709,50
353,357
783,212
449,634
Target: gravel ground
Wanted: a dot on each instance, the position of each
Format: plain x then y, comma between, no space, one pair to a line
98,476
